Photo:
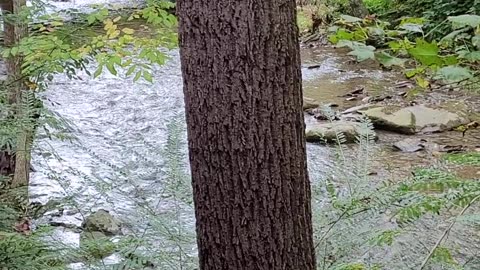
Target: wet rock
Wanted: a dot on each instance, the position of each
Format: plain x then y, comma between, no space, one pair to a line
414,119
73,222
323,115
410,145
327,132
355,93
358,108
310,103
102,221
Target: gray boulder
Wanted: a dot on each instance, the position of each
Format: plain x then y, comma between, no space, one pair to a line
327,132
415,119
102,221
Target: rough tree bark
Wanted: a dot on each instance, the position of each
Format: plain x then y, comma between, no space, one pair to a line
14,32
243,97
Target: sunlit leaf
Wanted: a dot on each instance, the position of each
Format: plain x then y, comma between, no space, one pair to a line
426,53
422,82
128,31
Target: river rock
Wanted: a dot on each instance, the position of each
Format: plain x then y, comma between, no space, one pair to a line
414,119
410,145
102,221
327,132
310,103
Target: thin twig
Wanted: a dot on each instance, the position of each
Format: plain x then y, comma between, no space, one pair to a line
439,241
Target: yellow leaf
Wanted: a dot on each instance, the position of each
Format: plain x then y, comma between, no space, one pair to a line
117,19
128,31
423,83
108,24
114,34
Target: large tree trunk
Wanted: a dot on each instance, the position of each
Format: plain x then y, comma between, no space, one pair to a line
14,32
243,97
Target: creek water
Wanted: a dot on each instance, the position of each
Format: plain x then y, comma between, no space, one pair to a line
128,154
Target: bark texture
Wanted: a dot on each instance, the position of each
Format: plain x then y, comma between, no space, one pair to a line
15,30
243,97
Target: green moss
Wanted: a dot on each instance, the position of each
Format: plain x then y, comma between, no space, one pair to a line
471,158
304,22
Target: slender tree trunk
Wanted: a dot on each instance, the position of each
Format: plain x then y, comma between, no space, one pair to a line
14,32
243,97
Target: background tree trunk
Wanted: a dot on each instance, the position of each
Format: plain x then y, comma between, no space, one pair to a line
243,97
14,32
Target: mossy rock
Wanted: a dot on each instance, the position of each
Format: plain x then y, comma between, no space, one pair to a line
102,221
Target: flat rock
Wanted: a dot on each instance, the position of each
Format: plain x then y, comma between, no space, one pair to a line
310,103
410,145
415,119
327,132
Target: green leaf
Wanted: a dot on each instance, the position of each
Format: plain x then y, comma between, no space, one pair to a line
452,74
471,56
350,19
465,20
422,82
363,53
388,61
450,60
91,19
476,41
6,53
147,76
453,34
98,71
426,53
14,51
412,72
344,34
131,70
111,68
411,27
137,76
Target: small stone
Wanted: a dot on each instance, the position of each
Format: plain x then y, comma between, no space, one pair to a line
410,145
